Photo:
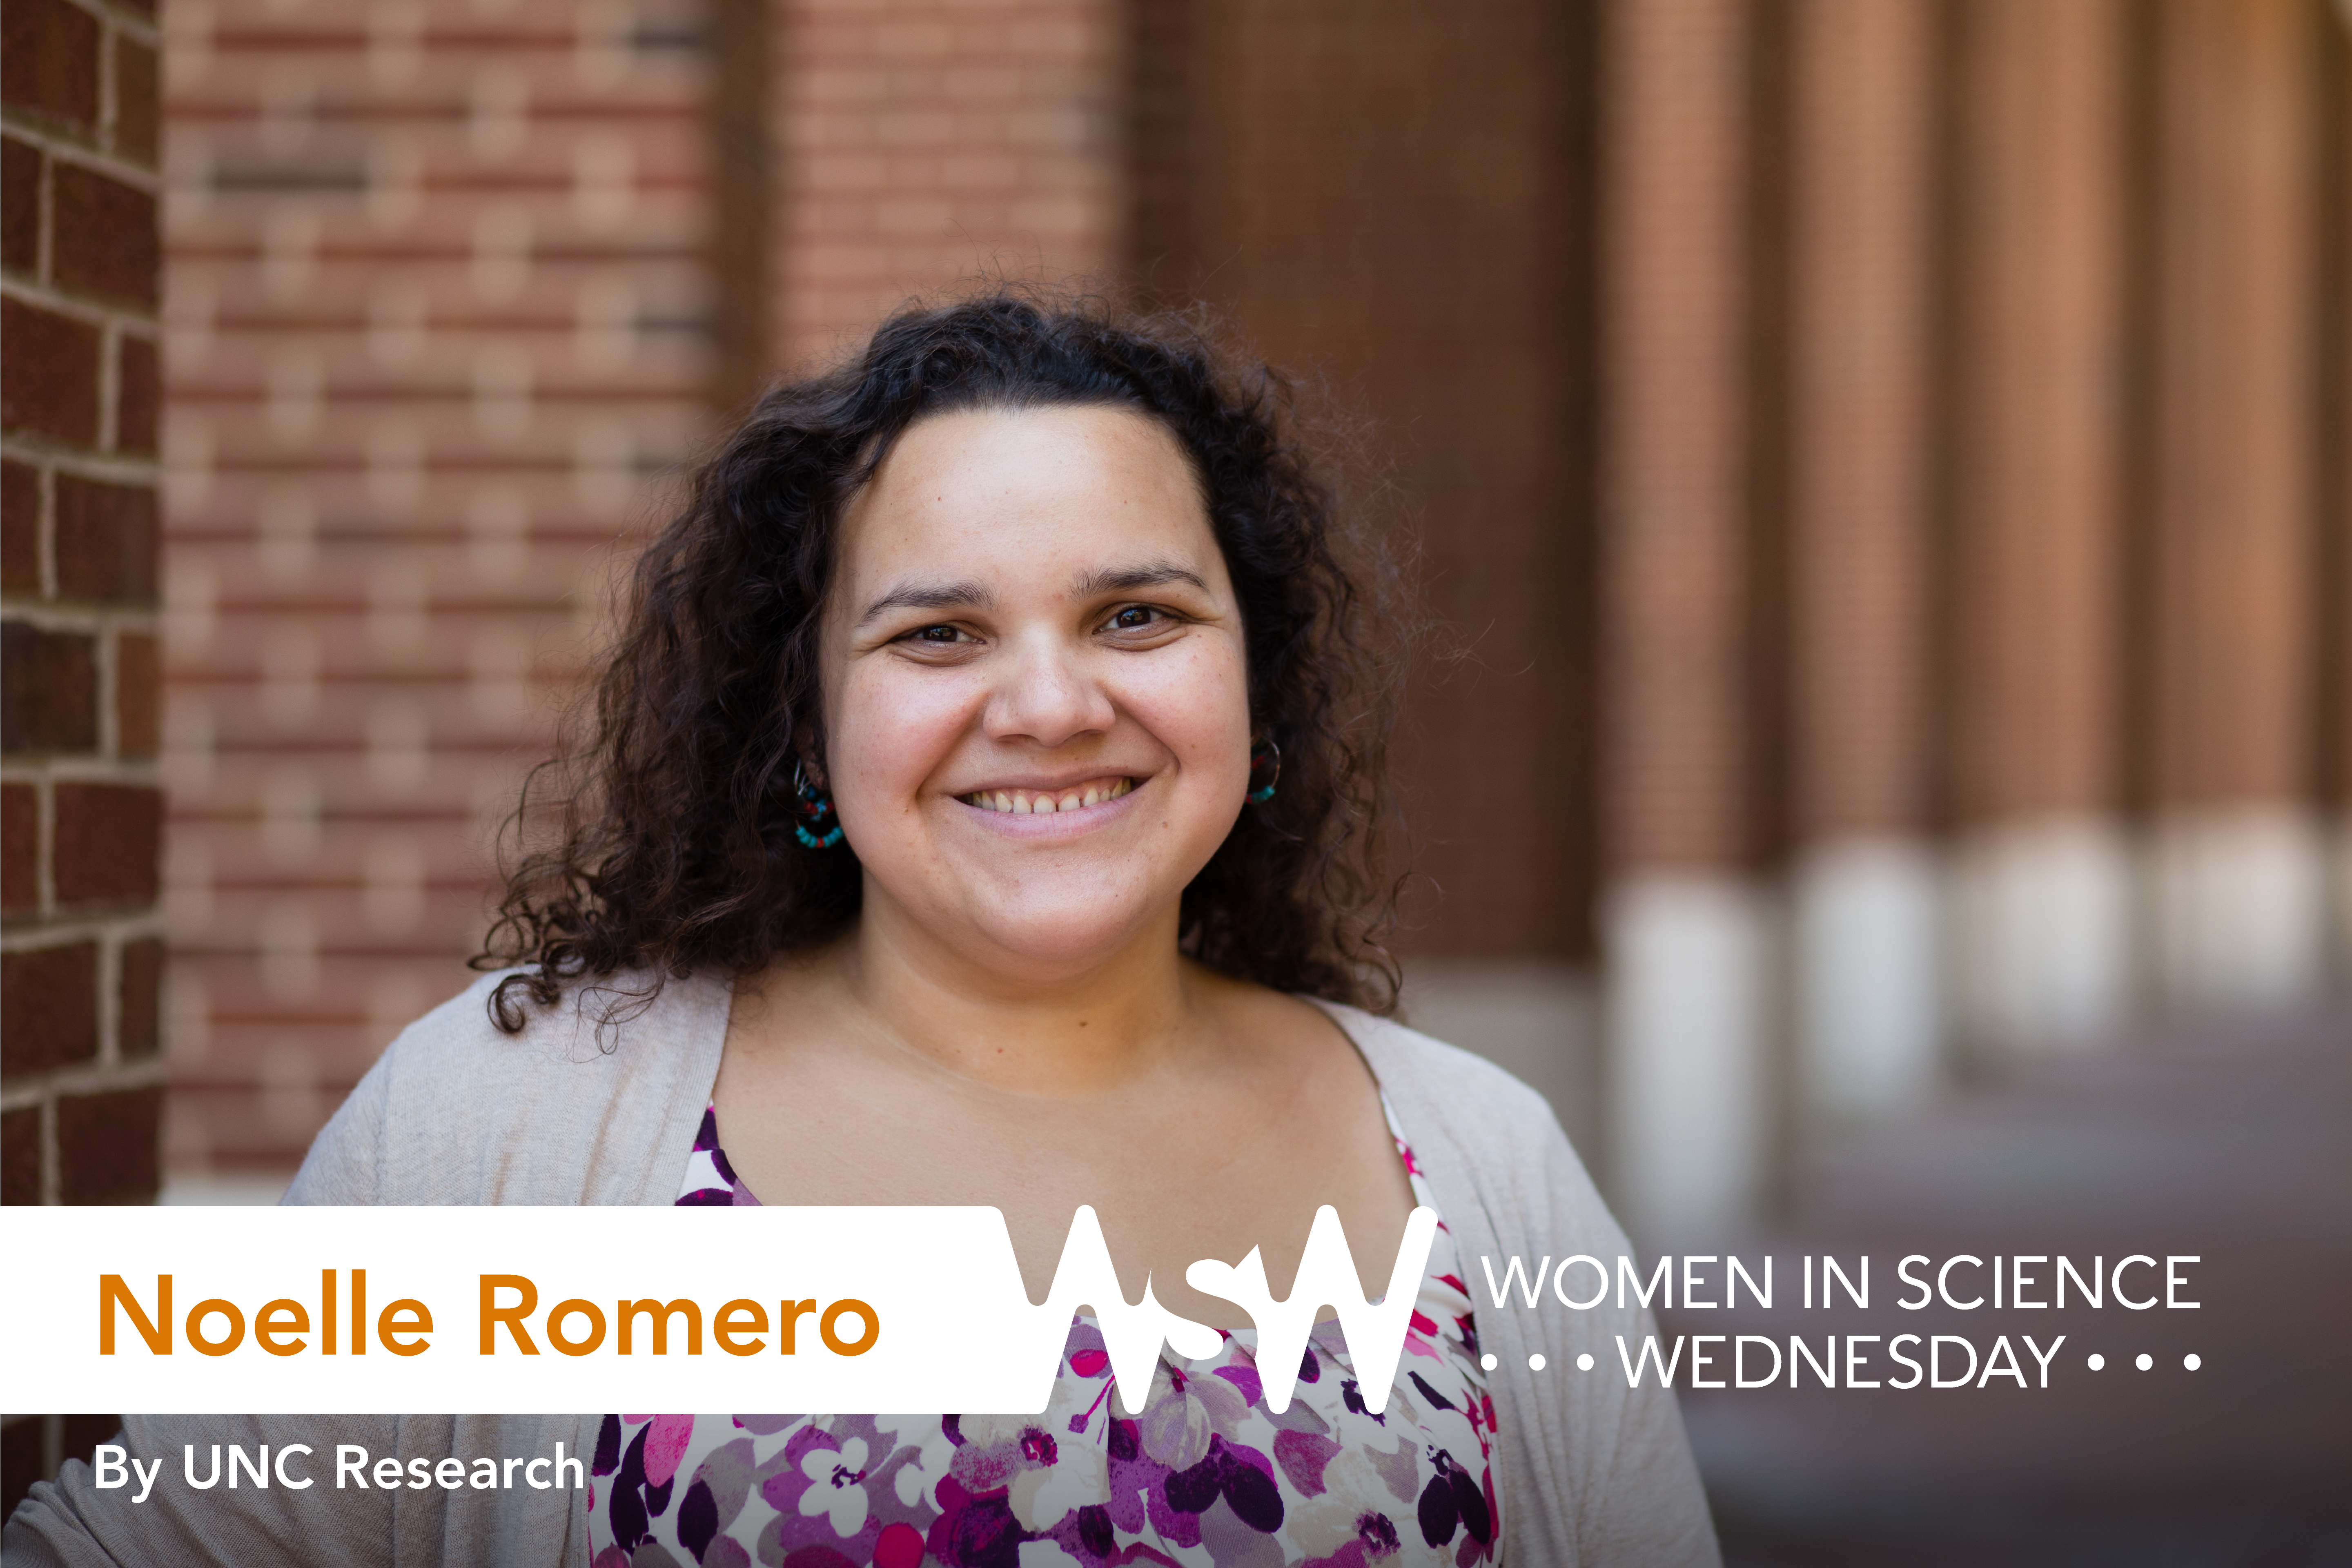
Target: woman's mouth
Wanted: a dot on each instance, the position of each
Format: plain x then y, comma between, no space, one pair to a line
1046,802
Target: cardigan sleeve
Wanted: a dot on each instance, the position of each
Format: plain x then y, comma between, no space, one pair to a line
420,1082
346,1163
456,1111
1591,1473
1639,1501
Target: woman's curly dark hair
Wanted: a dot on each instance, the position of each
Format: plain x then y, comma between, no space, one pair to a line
667,845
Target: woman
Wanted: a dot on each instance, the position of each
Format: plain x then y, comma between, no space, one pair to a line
983,806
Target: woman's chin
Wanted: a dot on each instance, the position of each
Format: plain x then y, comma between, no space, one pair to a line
1053,942
1042,921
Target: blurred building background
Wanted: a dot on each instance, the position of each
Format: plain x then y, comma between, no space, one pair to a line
1888,465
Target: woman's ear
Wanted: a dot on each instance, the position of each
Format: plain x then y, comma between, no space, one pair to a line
808,754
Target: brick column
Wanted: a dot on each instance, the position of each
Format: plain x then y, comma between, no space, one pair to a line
924,142
2030,703
1399,199
743,187
1683,930
83,812
2236,888
80,812
1866,891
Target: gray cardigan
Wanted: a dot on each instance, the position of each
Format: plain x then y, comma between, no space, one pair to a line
1588,1472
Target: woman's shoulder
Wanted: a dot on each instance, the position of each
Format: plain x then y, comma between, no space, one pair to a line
1481,1131
572,1107
1417,1068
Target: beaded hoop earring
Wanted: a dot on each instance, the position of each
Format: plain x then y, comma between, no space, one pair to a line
1264,770
817,828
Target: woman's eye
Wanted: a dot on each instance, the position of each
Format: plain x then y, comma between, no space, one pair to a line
937,635
1135,617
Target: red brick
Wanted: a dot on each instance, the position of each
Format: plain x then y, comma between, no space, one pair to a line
1398,201
20,206
106,842
657,398
139,1029
2227,687
138,696
48,691
48,1008
48,61
1680,627
137,106
102,237
1857,537
48,377
105,540
2035,532
109,1145
1047,198
20,848
20,528
139,396
20,1167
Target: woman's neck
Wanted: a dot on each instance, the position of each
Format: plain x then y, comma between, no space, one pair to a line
1076,1031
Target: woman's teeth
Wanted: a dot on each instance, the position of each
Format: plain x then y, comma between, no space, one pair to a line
1043,802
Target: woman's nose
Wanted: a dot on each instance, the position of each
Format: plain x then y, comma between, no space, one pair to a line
1047,697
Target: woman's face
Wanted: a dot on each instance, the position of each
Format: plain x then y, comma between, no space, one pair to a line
1037,695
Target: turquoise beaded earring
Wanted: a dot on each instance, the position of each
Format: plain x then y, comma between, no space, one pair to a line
1264,770
817,828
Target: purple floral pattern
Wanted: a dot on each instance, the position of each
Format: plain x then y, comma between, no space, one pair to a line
1207,1477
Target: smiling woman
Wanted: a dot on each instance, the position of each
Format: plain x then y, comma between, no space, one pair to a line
985,803
874,549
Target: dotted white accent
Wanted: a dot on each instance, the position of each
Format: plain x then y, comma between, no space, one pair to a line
2096,1361
1536,1363
1584,1361
2192,1361
2144,1360
1490,1361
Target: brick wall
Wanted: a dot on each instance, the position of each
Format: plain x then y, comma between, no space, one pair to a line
436,320
78,783
81,813
923,143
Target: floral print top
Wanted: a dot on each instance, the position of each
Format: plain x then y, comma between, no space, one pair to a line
1207,1477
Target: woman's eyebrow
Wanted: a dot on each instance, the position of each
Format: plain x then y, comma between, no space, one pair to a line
1126,579
930,596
